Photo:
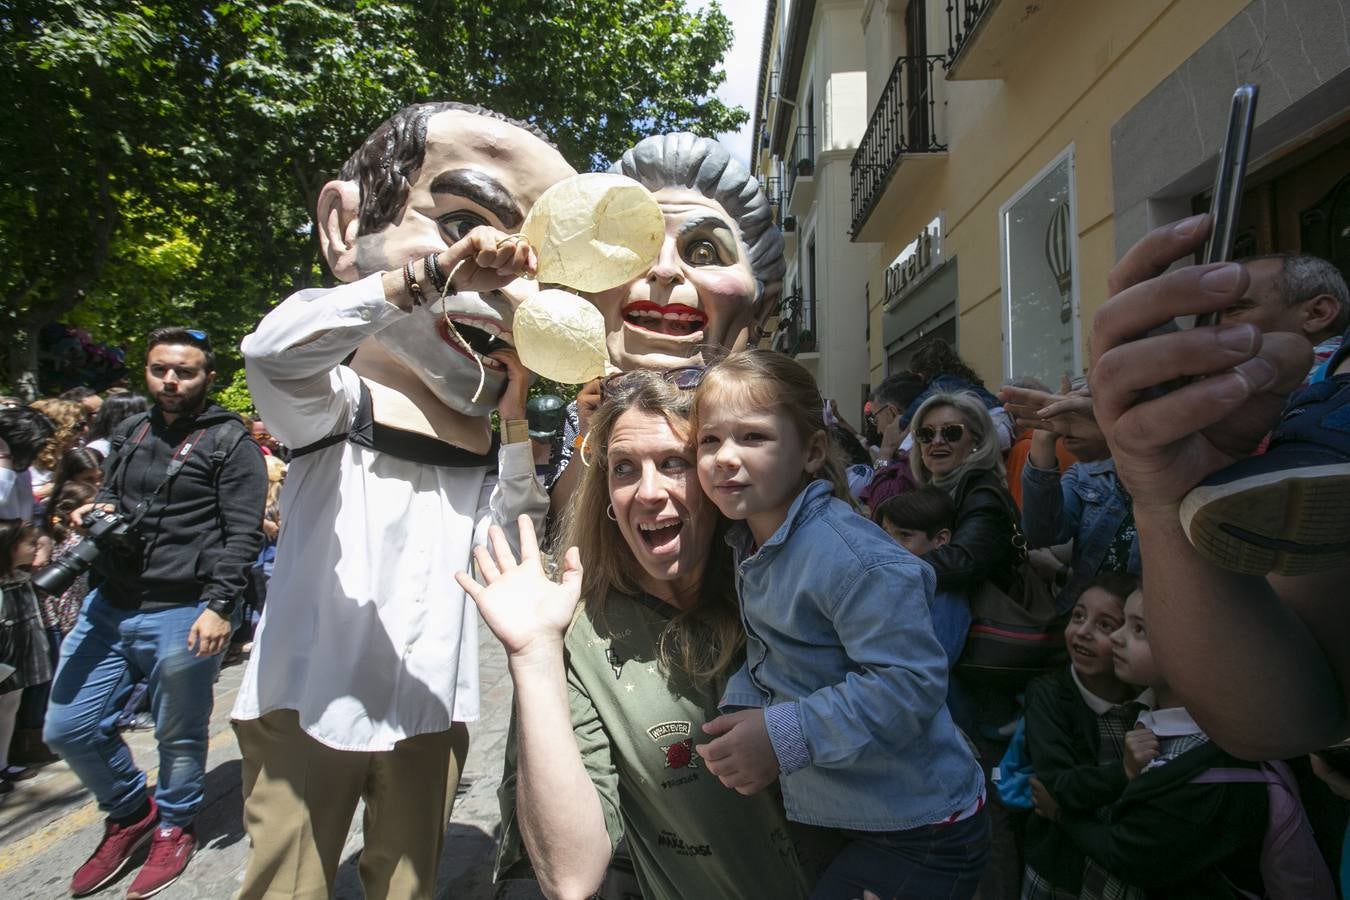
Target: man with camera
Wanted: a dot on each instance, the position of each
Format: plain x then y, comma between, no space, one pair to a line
170,539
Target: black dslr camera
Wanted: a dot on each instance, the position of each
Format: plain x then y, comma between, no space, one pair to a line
105,532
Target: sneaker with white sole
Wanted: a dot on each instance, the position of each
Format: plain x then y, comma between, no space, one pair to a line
1286,511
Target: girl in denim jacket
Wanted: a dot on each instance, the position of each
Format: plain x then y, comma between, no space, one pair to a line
842,698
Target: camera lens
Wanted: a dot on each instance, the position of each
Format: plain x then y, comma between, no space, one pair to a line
60,575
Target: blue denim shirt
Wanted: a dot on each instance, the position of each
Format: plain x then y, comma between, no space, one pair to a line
840,650
1087,505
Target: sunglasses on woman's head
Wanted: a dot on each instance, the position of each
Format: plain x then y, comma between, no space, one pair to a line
686,378
950,433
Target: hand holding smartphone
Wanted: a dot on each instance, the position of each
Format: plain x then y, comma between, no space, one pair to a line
1228,182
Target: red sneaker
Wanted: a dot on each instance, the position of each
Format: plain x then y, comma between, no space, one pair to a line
114,852
170,850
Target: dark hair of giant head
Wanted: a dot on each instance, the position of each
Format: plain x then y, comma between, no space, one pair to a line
172,334
387,162
937,357
12,531
114,410
1118,584
26,431
928,509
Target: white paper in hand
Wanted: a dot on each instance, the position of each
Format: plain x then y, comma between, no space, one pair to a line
561,336
595,231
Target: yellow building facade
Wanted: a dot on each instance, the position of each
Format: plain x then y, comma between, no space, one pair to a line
1015,149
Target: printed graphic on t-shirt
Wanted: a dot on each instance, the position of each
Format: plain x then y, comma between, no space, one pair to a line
679,753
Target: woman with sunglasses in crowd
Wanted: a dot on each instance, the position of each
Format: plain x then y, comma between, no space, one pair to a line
957,449
617,668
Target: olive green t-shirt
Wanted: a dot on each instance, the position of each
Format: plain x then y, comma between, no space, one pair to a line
636,729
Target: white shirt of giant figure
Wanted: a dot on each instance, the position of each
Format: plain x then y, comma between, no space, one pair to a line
365,633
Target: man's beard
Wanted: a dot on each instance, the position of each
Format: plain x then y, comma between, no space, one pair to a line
182,403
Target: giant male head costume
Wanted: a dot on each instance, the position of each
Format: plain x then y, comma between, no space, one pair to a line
420,182
721,266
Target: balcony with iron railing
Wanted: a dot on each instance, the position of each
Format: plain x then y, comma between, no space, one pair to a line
909,122
799,171
985,36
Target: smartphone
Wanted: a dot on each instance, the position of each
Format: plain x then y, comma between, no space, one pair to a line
1227,197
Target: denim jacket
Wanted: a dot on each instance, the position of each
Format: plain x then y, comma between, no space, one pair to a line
1086,504
841,653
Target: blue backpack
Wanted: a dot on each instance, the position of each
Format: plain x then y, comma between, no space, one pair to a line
1012,775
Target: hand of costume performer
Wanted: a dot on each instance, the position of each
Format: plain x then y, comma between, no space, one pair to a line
517,392
487,260
1163,446
741,755
1141,748
526,611
1069,415
1044,803
210,634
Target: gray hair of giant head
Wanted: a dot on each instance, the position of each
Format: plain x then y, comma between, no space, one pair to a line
684,160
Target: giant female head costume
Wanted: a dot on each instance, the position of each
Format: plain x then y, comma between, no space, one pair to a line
721,266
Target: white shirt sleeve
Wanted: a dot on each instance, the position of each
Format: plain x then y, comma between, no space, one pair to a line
293,357
515,491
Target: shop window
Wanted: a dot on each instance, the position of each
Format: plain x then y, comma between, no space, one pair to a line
1040,284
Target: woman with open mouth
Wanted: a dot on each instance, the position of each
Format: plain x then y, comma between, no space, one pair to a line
616,670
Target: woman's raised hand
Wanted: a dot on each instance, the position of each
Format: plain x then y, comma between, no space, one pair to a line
526,611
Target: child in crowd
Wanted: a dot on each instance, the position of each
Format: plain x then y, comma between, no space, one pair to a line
920,521
1169,835
59,614
1076,720
842,697
23,645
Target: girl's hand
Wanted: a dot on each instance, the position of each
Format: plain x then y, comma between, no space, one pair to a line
1141,748
1043,802
526,611
742,757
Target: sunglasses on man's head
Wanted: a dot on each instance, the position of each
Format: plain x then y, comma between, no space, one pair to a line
686,378
950,433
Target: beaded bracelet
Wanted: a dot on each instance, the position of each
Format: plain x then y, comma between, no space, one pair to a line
410,280
434,273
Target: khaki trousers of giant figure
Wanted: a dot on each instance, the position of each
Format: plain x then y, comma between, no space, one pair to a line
300,796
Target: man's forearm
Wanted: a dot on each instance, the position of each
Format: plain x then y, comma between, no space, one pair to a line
1248,668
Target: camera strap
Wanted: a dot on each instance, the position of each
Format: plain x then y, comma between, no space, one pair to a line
180,456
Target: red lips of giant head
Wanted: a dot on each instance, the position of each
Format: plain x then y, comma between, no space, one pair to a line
673,319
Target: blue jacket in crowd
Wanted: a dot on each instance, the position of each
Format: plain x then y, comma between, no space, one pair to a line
840,651
1087,505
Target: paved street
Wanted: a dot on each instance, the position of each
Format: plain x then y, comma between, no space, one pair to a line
50,824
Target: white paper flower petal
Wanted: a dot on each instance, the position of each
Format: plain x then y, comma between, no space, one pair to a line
561,336
595,231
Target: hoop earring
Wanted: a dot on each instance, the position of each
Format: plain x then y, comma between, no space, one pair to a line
609,511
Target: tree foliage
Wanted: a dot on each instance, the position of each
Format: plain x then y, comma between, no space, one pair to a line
160,161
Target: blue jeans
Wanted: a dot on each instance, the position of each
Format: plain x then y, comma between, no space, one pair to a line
108,651
934,862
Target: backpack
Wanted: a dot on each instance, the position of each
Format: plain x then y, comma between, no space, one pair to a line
1012,775
1292,867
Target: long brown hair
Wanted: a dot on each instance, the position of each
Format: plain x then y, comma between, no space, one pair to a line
701,642
771,380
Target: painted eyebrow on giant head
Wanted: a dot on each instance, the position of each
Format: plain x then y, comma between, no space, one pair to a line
714,222
483,190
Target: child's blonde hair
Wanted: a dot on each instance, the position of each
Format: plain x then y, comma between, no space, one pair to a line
772,381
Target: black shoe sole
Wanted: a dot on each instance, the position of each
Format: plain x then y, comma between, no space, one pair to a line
1291,522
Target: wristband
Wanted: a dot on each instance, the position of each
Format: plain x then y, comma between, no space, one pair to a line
221,607
434,273
410,282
